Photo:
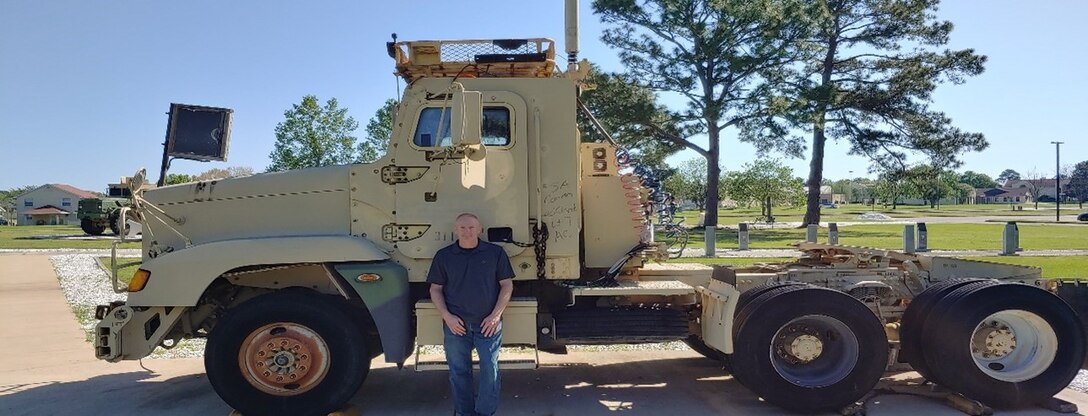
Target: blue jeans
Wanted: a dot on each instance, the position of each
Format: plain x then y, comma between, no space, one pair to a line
459,358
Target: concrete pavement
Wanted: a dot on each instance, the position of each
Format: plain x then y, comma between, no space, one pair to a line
46,367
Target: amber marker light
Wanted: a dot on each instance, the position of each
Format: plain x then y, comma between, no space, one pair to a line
139,280
368,277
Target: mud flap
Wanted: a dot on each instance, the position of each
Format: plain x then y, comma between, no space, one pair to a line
1075,293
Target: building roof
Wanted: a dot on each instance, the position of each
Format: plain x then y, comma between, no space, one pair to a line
991,192
66,188
46,210
1039,183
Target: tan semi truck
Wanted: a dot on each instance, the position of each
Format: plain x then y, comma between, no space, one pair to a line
299,279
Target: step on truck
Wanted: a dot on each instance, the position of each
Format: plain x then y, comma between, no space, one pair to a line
299,279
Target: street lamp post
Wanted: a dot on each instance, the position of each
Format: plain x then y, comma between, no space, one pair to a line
1058,179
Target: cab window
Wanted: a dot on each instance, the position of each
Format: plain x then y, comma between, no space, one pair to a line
495,127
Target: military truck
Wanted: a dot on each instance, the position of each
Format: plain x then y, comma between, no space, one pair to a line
97,214
299,279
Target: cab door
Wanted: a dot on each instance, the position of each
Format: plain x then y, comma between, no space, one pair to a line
492,183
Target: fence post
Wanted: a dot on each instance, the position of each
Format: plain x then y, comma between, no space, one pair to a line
833,233
810,234
710,237
923,237
908,238
742,236
1010,239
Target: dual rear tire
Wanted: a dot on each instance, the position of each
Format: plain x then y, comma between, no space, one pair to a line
1005,344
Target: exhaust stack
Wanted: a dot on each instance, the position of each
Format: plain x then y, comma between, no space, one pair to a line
572,36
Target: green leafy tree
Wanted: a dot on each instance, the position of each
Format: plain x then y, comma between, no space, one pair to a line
178,178
712,54
689,181
1078,183
767,183
890,186
873,67
378,132
963,191
8,203
314,135
930,183
1007,175
977,180
630,114
229,172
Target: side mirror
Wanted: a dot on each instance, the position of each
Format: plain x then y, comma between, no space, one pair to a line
466,116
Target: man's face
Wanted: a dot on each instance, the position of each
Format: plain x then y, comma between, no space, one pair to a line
467,229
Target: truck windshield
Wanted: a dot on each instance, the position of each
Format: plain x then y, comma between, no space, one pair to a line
495,127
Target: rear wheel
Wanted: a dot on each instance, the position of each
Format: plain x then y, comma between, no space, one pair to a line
286,353
114,226
809,349
912,348
1010,344
91,227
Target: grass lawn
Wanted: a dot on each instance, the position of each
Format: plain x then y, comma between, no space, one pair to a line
1072,267
941,237
46,236
127,267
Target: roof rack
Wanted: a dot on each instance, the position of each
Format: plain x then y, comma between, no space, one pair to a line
524,58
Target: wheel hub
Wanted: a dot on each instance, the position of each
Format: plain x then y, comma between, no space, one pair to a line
993,340
799,344
284,359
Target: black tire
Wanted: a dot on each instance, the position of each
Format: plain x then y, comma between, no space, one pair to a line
295,317
1048,343
91,227
853,357
114,217
747,295
911,345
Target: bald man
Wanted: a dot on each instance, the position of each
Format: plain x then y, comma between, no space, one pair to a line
471,286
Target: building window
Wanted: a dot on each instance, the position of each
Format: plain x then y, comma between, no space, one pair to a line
66,202
29,217
28,202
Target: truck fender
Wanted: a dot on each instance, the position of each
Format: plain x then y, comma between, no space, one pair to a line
382,286
179,278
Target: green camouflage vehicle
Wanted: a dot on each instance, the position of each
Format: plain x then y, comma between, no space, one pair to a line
96,214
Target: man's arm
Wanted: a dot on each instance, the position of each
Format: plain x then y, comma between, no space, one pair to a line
453,322
491,322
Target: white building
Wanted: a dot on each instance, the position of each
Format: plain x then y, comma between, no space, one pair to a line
52,204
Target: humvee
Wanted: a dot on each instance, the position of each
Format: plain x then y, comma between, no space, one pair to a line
299,279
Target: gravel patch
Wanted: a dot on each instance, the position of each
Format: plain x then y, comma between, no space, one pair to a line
85,285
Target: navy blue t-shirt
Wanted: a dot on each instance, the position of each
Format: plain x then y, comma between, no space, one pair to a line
470,278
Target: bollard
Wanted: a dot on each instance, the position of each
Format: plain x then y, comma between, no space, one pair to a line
709,236
742,236
1010,239
810,235
923,238
833,233
908,238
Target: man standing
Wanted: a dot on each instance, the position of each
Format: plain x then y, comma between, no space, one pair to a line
470,287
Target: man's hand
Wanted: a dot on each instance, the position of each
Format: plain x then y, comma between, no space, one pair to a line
491,325
454,324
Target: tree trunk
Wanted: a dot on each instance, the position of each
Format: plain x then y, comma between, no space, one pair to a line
815,173
713,176
816,166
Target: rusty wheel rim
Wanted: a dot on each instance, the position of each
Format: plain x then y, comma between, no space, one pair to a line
284,359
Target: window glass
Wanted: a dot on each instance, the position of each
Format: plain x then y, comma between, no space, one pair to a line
66,202
495,127
28,202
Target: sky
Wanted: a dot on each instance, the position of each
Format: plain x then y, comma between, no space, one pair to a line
85,85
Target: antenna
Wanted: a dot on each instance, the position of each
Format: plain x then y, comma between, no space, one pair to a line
395,77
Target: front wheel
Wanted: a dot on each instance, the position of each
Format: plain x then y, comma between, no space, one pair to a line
91,227
286,353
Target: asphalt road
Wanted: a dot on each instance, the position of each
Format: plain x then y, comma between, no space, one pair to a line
47,368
